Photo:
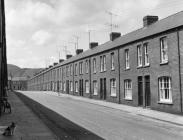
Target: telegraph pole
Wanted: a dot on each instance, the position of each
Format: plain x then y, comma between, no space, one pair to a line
3,60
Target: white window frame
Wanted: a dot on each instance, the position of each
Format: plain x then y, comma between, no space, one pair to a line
165,89
101,64
127,58
80,67
128,89
87,66
71,70
76,86
112,61
164,50
146,55
113,87
139,55
76,69
94,65
95,87
87,86
104,63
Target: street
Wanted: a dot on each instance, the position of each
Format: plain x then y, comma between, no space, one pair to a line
108,123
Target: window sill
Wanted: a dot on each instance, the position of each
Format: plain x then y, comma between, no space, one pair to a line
127,99
95,94
138,67
127,69
114,96
164,63
148,65
164,102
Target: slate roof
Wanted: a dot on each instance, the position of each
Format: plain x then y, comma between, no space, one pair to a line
170,22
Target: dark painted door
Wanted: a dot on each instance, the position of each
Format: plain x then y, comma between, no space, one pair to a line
140,91
81,87
104,88
101,88
147,91
67,86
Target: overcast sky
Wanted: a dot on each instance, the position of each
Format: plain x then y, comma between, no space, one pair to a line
37,30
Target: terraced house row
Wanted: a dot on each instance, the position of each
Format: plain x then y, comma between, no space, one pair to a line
142,68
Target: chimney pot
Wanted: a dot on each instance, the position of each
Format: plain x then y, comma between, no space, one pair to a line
55,64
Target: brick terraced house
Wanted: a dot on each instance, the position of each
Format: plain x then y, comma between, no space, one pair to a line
142,68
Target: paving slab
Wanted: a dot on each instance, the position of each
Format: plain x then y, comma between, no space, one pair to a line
28,125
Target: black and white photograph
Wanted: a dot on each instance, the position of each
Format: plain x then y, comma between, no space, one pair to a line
91,70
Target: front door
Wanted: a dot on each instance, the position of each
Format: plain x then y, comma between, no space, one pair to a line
140,91
81,87
147,91
103,88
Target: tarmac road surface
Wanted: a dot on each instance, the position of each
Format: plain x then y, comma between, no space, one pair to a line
108,123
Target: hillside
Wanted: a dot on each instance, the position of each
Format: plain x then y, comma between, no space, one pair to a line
16,71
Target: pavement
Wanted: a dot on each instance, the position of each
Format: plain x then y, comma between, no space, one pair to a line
28,125
146,112
111,121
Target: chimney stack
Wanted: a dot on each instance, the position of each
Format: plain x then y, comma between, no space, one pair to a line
68,56
55,64
61,60
50,66
114,35
148,20
93,45
78,51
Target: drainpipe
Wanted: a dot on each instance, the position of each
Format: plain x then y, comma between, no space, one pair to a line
89,65
180,81
119,77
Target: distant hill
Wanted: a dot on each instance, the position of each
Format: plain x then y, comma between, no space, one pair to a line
16,71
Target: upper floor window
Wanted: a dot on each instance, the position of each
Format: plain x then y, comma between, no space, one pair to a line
87,86
67,70
81,68
102,63
165,89
164,50
76,69
104,59
128,89
139,55
86,66
94,65
146,55
71,69
113,87
112,61
127,64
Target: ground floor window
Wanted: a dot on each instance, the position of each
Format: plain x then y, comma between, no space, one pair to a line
128,89
64,86
60,85
87,86
165,90
113,87
71,86
95,88
76,86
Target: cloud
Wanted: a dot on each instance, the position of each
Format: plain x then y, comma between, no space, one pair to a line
41,37
37,29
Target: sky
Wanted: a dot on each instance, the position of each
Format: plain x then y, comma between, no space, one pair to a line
40,32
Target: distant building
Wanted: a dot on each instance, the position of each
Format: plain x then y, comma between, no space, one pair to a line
17,83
